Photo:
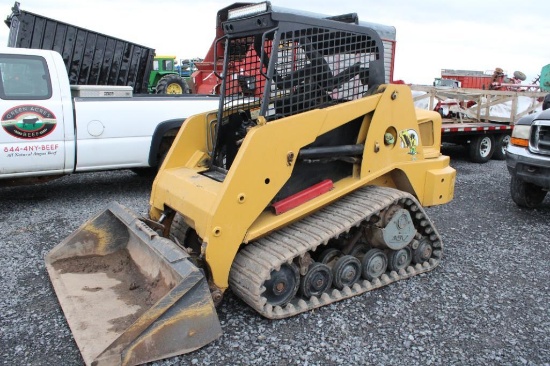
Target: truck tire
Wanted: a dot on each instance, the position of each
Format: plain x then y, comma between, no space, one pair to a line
172,84
526,194
481,148
500,147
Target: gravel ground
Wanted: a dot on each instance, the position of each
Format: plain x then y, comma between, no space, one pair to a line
487,303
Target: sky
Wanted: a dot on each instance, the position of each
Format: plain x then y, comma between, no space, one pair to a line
431,34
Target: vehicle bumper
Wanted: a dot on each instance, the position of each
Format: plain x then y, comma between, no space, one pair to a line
530,168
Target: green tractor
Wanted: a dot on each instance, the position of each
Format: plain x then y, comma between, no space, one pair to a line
165,79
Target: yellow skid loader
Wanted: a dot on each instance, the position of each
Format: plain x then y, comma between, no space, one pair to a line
305,187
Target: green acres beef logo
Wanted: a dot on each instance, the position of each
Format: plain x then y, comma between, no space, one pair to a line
29,122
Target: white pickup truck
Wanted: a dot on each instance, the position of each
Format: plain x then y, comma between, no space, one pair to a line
50,128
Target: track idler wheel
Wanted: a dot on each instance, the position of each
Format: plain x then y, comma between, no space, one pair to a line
317,280
374,264
282,285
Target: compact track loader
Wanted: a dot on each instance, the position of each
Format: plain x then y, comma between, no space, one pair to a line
306,187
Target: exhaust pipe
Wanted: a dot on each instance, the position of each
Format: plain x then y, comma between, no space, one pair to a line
129,295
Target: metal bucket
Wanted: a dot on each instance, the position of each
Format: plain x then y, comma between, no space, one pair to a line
129,295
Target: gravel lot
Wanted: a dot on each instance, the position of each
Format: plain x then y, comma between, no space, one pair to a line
487,303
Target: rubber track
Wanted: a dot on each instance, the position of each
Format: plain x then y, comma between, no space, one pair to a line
254,263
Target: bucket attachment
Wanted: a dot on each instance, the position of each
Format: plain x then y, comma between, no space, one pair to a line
129,295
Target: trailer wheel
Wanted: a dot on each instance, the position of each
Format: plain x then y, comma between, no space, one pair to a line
481,148
172,84
526,194
500,147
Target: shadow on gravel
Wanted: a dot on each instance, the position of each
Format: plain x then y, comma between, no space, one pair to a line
78,185
455,152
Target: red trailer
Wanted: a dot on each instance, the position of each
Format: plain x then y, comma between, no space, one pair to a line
469,78
486,80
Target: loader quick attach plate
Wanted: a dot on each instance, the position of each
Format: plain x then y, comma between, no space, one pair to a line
129,295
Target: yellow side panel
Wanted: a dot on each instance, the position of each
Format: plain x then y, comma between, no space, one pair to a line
229,213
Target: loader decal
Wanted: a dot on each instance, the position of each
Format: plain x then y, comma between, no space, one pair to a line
29,122
409,140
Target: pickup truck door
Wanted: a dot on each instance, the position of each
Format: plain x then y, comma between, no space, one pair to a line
32,133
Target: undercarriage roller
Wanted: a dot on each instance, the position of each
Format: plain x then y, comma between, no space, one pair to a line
346,271
374,264
283,285
359,251
329,255
422,251
317,280
399,259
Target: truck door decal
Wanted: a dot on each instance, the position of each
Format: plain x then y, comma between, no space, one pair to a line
28,122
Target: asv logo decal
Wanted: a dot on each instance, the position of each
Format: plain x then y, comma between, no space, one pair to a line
29,122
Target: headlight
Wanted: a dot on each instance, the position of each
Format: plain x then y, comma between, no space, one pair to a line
246,11
520,135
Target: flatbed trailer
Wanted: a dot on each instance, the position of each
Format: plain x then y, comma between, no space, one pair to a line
481,120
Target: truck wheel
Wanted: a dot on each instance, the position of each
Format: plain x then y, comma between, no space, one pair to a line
172,84
500,147
526,194
481,148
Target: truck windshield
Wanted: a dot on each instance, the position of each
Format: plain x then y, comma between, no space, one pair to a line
24,77
446,82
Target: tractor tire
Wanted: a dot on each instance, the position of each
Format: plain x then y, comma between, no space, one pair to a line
500,147
526,194
519,75
481,148
172,84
